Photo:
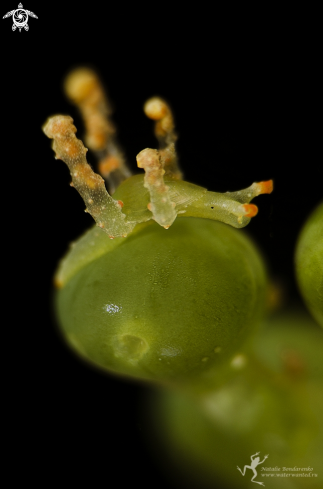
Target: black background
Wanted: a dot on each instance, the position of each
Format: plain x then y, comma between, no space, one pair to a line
245,99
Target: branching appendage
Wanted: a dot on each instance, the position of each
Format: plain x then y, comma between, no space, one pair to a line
157,110
233,208
168,195
220,208
103,208
84,89
163,210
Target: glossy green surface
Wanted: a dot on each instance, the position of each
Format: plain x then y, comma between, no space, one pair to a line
164,304
272,405
309,263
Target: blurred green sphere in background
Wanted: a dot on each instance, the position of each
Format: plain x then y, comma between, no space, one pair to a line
272,404
309,263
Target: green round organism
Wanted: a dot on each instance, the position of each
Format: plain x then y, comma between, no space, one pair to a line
309,263
158,290
165,304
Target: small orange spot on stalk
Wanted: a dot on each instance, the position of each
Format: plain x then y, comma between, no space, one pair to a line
109,164
96,140
266,187
250,210
72,149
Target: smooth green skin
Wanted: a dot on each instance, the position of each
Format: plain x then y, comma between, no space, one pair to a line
273,405
162,304
309,263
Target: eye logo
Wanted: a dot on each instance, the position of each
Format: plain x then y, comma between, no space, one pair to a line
20,18
254,463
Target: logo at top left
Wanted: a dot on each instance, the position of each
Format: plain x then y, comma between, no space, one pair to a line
20,18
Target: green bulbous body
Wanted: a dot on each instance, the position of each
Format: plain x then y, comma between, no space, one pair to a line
272,404
309,263
162,304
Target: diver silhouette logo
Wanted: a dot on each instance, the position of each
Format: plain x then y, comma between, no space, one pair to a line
254,463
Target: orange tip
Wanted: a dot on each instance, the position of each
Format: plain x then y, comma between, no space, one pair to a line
266,187
250,210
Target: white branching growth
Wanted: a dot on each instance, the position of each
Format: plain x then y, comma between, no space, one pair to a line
84,89
156,109
160,194
103,208
160,204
